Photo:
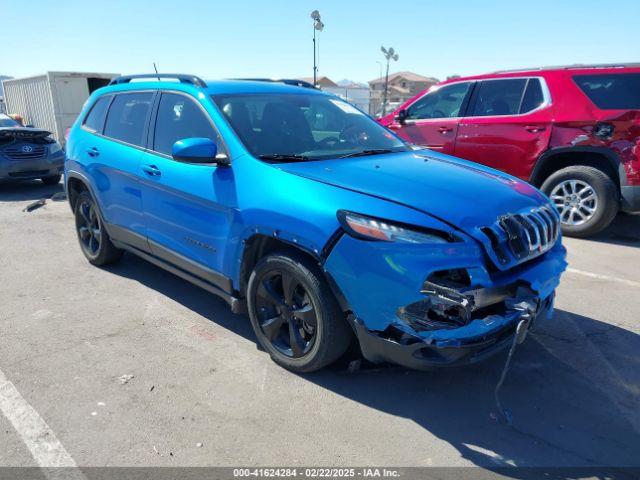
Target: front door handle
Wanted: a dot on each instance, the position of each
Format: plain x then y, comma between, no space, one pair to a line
151,170
394,126
444,129
93,152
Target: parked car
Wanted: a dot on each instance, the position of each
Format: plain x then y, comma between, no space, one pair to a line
572,131
295,206
28,153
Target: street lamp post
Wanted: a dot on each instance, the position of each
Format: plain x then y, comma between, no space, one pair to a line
317,26
389,55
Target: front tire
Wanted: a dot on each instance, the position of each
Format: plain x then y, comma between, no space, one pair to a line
586,199
294,314
94,239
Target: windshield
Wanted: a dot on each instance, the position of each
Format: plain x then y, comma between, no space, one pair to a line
299,127
8,122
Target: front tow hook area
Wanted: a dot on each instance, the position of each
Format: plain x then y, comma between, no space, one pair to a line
529,308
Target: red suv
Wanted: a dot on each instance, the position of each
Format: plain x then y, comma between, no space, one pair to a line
574,132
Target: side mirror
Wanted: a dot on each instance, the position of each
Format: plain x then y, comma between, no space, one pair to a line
198,150
30,126
401,116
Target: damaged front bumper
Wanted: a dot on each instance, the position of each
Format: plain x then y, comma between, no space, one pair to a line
428,306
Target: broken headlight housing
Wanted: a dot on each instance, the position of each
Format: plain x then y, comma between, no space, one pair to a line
376,229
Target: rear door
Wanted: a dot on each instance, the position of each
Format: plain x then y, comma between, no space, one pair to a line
507,125
432,120
188,208
112,156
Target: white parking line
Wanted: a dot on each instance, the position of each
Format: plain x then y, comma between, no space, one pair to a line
43,444
597,276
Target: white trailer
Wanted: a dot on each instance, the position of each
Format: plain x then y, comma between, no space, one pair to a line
52,101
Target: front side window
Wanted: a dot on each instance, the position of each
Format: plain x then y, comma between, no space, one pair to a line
445,102
498,97
95,120
300,126
616,91
127,117
178,118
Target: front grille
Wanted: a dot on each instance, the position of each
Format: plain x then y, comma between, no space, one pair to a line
25,152
514,238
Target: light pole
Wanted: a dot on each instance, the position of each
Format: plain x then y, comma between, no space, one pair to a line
317,26
389,55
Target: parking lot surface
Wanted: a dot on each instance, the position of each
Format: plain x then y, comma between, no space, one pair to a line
131,366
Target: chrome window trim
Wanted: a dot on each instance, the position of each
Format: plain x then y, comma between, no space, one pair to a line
432,89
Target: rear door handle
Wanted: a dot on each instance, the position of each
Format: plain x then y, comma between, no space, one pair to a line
151,170
93,152
444,129
535,128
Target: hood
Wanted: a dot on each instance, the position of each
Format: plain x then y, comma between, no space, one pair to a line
461,193
22,132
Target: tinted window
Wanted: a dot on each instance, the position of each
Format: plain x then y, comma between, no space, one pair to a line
444,102
498,97
95,120
179,118
310,126
612,91
533,96
127,117
8,122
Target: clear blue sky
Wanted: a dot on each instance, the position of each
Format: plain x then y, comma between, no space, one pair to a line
272,38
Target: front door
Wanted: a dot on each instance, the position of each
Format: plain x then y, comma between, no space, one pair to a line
508,125
188,208
432,120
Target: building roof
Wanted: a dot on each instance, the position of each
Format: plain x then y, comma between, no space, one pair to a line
410,76
326,81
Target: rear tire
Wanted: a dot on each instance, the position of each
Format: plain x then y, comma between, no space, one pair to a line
586,198
94,239
51,180
294,314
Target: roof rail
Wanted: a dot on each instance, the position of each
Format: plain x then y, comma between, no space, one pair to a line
570,67
181,77
288,81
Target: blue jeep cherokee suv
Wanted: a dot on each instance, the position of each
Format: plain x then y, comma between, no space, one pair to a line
325,227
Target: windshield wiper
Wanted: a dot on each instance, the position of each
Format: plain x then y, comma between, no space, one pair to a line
365,153
283,157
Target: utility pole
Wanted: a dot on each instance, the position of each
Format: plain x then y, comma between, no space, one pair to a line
389,55
317,26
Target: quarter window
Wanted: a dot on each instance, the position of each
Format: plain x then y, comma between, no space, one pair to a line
498,97
180,118
444,102
127,117
94,121
618,91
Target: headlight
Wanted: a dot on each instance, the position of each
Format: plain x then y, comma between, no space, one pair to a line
54,147
375,229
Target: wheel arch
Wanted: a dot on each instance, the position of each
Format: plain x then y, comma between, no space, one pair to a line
556,159
75,184
259,245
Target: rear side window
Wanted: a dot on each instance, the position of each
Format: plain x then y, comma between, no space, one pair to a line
127,117
618,91
178,118
94,121
498,97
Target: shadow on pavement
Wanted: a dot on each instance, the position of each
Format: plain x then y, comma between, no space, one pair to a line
27,190
625,230
572,390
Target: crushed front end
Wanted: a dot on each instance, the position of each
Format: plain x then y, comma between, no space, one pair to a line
444,304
